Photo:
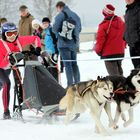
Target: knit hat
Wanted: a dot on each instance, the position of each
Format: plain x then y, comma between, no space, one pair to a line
36,24
46,19
108,10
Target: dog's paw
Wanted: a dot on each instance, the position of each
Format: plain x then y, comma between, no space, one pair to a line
126,124
113,125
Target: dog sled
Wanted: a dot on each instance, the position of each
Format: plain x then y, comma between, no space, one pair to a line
39,90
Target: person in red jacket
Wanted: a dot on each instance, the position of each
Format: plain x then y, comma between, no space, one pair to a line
109,41
10,44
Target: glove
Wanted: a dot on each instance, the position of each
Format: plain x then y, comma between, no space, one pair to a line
14,58
35,51
38,51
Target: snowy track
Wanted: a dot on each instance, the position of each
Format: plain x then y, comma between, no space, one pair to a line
82,128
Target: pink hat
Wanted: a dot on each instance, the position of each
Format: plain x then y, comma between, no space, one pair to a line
108,10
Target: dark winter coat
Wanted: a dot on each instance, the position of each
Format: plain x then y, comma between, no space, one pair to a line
111,44
132,20
57,27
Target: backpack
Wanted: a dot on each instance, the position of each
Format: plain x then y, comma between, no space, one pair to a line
54,38
68,27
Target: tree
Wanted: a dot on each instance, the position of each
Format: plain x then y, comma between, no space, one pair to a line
9,9
47,7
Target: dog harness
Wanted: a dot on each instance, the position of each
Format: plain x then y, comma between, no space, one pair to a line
83,92
121,91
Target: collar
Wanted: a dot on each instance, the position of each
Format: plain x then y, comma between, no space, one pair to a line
28,15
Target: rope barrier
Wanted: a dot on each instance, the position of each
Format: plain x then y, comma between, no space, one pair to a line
107,59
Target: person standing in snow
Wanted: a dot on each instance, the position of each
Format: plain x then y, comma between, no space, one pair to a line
67,27
10,45
25,23
38,28
132,31
51,50
50,39
109,41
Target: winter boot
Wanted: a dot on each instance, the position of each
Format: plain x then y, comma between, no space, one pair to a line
6,115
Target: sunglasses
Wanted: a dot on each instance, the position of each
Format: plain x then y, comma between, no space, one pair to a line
9,34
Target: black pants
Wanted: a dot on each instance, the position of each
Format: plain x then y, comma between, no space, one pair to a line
135,51
5,82
114,67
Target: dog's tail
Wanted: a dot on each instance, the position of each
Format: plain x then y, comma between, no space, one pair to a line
63,104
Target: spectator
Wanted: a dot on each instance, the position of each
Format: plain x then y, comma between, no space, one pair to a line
10,44
68,40
25,23
109,41
38,28
50,40
132,31
51,50
2,21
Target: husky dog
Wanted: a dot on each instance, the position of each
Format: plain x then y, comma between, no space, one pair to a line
127,95
90,94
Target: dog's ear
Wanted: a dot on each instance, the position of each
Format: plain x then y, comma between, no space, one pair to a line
99,78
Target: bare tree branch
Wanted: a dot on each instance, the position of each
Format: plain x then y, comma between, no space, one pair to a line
47,7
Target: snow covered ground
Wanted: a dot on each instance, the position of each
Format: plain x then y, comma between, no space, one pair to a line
81,129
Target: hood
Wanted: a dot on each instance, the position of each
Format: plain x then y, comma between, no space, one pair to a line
66,8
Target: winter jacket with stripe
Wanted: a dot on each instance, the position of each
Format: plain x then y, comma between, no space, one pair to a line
23,40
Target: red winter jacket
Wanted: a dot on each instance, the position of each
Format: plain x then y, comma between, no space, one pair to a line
23,40
110,45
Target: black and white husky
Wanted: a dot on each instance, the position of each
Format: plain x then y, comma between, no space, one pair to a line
127,95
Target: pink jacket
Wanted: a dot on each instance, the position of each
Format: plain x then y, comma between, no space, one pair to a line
23,41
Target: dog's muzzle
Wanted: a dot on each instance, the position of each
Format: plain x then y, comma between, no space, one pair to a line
111,96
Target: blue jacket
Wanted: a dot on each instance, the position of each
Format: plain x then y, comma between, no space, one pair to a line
48,41
57,27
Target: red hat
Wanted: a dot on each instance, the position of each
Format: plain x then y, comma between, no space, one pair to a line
108,10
